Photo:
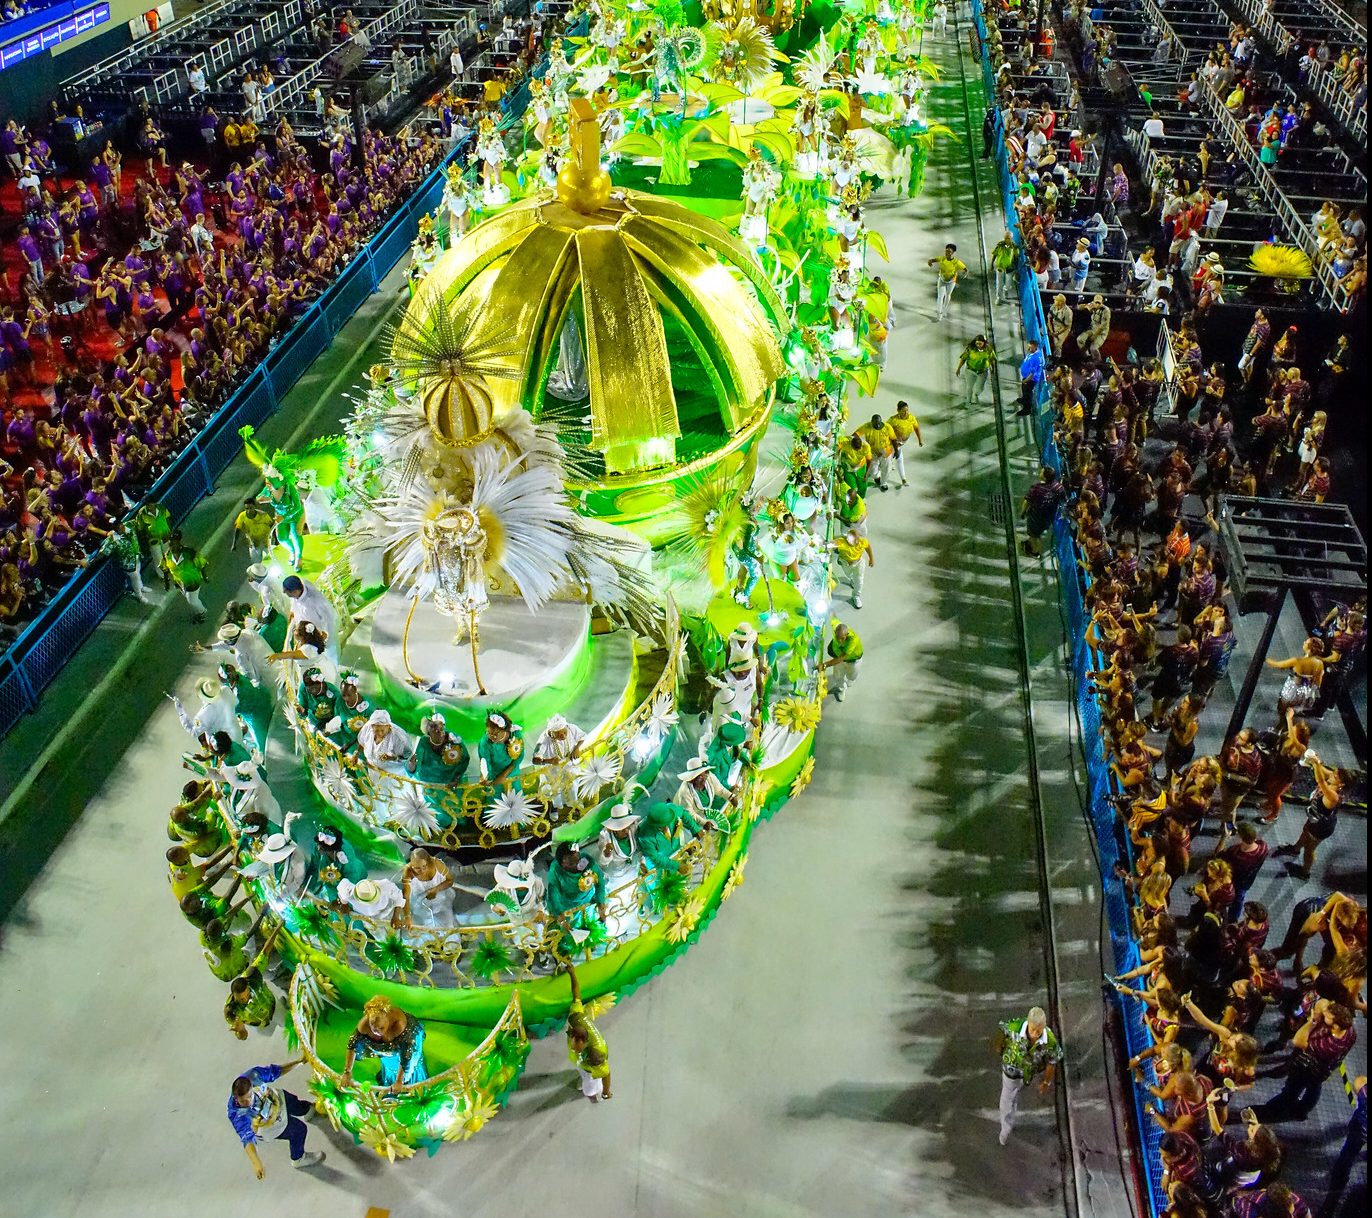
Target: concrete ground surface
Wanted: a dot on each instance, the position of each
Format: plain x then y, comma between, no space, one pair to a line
823,1050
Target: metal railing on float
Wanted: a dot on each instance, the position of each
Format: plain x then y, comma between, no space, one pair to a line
470,953
369,793
41,650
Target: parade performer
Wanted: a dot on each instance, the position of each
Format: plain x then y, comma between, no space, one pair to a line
427,885
329,862
385,746
854,554
490,148
660,834
575,894
700,793
151,524
439,758
554,757
760,182
186,571
121,544
586,1047
845,658
425,252
1027,1048
394,1038
457,202
501,749
281,473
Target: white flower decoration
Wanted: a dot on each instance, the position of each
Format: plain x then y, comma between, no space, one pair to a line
336,782
411,811
511,808
662,716
595,772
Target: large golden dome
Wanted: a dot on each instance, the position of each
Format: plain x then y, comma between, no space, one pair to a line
678,323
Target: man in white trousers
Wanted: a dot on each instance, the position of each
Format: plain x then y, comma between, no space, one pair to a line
1027,1049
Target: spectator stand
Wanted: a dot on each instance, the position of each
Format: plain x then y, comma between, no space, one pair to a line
1102,793
1286,26
220,35
42,648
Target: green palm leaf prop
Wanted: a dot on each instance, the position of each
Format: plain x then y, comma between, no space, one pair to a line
312,921
392,955
490,957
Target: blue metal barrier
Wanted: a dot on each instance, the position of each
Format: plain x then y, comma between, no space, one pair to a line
1101,787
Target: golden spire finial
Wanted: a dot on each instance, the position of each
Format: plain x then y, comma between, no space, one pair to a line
583,185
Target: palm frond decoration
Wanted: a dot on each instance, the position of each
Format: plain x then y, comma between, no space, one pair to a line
739,52
508,1050
599,1006
530,528
667,891
512,809
392,955
451,365
410,810
711,516
816,69
606,567
312,990
1281,262
561,434
490,957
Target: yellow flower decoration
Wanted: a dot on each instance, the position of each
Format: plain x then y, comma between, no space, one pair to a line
796,714
802,780
735,878
384,1142
481,1110
756,800
822,685
684,920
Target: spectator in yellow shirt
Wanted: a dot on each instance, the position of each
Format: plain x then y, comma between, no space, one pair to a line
903,425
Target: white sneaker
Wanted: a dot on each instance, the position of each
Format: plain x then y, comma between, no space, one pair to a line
857,602
308,1159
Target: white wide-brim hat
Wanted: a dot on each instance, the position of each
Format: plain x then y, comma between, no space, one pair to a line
276,848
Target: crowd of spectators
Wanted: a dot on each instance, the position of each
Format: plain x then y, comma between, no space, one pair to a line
137,295
1231,1000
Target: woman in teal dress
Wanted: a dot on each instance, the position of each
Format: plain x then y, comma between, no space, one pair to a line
394,1038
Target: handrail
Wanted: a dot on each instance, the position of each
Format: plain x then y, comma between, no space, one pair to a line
1184,54
1267,184
463,803
433,956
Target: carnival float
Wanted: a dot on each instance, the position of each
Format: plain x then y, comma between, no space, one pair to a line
539,640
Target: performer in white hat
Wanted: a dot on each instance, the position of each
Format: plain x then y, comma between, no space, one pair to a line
379,899
218,712
248,649
384,745
700,792
555,755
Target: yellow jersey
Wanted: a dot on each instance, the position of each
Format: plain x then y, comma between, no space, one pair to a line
903,426
881,439
851,551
